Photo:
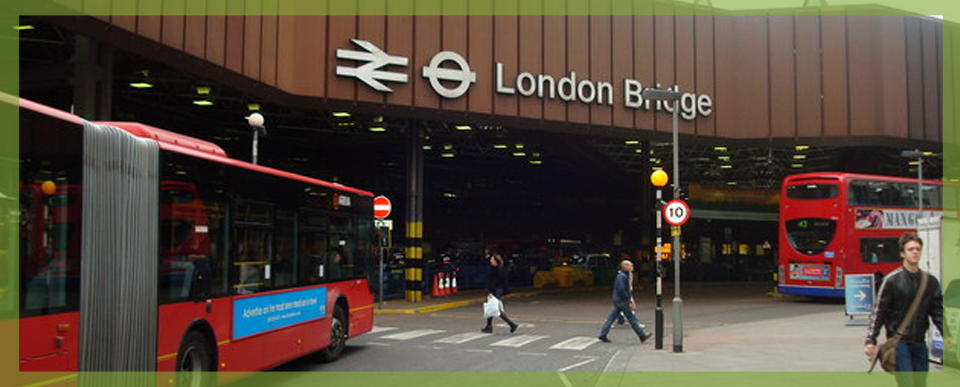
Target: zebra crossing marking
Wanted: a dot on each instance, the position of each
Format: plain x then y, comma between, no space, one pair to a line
379,329
461,338
518,341
411,334
576,343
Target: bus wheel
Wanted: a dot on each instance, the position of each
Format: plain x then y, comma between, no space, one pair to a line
338,336
194,367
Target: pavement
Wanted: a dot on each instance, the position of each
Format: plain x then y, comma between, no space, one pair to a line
821,341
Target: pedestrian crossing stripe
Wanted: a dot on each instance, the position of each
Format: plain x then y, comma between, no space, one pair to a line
576,343
412,334
379,329
462,338
518,341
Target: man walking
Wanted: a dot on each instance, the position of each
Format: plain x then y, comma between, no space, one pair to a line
622,304
896,294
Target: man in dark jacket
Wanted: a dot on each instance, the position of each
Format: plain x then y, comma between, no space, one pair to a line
623,304
896,294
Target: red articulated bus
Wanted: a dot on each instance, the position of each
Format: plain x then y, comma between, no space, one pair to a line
833,224
146,250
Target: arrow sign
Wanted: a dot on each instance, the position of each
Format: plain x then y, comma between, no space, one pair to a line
861,296
370,73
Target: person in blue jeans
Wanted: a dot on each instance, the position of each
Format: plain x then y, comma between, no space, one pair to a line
897,292
623,304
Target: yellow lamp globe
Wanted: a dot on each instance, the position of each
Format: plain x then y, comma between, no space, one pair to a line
659,178
48,187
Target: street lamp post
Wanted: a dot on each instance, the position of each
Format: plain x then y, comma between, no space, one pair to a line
671,95
917,154
659,179
255,121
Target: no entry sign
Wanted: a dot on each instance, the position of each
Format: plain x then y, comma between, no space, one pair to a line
381,207
676,212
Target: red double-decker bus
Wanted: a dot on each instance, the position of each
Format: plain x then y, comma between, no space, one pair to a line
833,224
146,250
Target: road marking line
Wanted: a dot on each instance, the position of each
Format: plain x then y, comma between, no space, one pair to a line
606,368
378,329
576,343
531,354
479,350
586,357
518,341
411,334
379,344
461,338
569,367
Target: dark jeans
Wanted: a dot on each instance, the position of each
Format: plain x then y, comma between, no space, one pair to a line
618,309
912,364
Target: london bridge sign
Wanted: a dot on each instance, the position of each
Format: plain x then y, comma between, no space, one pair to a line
372,64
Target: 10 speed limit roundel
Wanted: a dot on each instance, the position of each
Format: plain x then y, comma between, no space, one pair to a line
676,212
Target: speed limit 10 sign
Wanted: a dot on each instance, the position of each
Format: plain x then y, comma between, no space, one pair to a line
676,212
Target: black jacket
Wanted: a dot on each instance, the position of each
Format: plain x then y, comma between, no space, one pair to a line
496,279
896,294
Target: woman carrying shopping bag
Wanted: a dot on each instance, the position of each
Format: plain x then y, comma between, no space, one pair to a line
496,283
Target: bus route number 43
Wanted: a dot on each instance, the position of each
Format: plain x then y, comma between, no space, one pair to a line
676,212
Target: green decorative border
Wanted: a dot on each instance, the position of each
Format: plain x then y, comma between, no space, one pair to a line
10,10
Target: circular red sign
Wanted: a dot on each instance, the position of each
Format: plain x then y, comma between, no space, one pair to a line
676,212
381,207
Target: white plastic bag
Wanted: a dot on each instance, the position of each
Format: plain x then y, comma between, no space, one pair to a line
492,307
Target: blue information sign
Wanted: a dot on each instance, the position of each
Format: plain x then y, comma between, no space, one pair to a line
255,315
859,293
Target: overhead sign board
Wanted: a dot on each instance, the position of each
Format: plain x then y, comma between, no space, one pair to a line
449,75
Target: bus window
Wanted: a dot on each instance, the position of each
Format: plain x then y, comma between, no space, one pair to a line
343,250
252,244
282,267
812,191
879,250
810,236
50,216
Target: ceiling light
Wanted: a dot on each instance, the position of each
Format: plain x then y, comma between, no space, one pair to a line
427,147
801,148
448,147
253,107
341,114
723,158
378,119
928,153
141,85
23,27
500,146
463,127
796,165
799,157
203,102
726,166
638,151
519,154
731,183
914,163
720,148
450,195
536,162
536,154
203,90
378,129
631,142
447,155
519,146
